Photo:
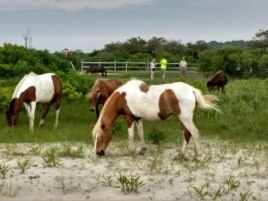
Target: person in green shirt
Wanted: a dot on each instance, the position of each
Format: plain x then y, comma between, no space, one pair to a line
163,66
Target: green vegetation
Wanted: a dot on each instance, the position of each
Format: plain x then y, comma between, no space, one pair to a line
23,165
130,184
243,107
3,170
156,135
243,119
51,158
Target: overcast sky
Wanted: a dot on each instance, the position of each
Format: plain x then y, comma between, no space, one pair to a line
90,24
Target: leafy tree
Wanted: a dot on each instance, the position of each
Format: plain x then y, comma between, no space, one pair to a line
135,45
260,40
155,46
205,60
264,65
174,47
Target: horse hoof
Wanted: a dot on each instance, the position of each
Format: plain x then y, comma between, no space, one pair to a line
180,156
142,151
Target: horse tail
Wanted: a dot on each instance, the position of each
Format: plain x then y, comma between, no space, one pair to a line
207,101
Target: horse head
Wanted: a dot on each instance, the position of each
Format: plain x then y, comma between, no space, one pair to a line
102,131
12,117
103,136
93,95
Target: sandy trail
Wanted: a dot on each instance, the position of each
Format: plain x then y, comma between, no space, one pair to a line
226,171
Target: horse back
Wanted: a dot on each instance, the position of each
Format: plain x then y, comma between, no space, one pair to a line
155,99
106,88
111,85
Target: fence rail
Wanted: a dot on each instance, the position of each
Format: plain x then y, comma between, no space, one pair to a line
137,67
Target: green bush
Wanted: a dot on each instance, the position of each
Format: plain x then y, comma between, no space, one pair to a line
156,135
5,97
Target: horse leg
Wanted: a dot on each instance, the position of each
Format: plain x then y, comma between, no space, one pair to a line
191,130
32,107
223,89
97,111
130,138
57,102
45,109
187,136
28,109
139,125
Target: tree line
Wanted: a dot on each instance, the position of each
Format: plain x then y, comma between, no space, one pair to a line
241,59
238,58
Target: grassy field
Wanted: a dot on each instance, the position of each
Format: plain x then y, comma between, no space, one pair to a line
59,164
243,119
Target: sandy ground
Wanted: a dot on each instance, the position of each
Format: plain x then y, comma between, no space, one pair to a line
226,171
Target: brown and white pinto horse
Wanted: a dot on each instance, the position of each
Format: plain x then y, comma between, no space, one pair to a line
45,89
100,92
137,100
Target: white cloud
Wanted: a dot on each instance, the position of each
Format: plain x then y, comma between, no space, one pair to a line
70,5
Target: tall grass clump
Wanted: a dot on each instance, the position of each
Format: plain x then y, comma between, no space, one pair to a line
243,111
156,135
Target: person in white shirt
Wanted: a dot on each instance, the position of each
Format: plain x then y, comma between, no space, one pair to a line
183,66
152,67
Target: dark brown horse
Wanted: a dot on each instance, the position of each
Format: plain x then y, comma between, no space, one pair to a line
100,92
97,69
32,89
219,80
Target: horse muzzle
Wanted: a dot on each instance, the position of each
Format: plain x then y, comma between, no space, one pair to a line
100,153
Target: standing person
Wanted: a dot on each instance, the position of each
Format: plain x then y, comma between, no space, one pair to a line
163,67
183,66
152,67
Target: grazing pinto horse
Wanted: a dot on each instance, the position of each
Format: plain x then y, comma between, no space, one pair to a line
97,69
100,92
45,89
137,100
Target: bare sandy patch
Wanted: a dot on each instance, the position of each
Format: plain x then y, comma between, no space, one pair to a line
226,171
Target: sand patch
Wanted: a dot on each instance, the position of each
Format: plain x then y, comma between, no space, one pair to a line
226,171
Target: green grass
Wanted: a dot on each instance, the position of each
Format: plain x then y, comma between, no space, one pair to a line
75,124
244,117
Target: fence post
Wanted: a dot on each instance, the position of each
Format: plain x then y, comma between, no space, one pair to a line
81,66
114,65
126,66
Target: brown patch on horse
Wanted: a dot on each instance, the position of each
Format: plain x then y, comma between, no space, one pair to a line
144,88
15,105
117,105
28,95
168,104
187,134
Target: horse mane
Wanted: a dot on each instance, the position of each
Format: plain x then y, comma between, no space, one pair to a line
15,93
